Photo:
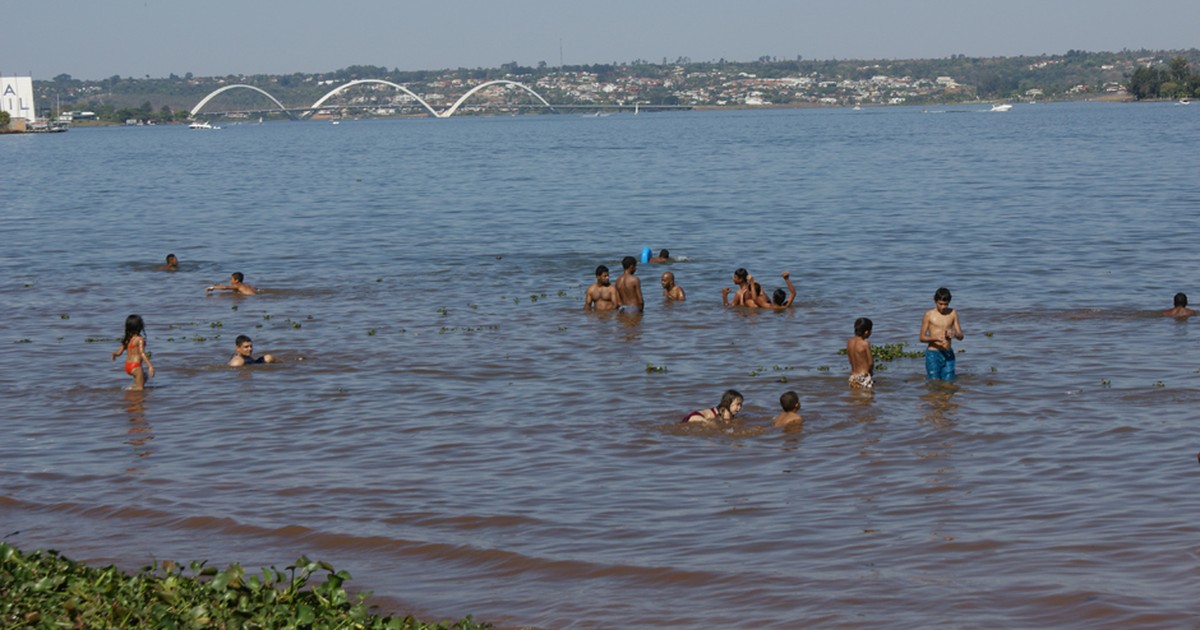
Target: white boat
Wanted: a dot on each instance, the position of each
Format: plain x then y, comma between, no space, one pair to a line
1001,107
202,125
1185,101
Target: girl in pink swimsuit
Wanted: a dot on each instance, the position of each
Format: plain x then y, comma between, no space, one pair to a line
134,348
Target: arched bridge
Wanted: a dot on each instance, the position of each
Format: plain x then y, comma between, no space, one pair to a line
307,111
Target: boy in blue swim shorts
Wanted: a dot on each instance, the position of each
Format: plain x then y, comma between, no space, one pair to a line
939,328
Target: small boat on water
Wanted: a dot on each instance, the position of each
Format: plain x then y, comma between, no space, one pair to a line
199,124
1001,107
1185,101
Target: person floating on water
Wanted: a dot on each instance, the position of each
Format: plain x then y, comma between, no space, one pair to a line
243,353
939,328
1181,309
858,349
662,257
133,345
236,284
629,287
790,403
672,291
725,411
601,296
171,265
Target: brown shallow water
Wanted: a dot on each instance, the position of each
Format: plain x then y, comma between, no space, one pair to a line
451,428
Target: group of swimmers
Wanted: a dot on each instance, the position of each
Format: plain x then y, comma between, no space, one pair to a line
133,344
939,328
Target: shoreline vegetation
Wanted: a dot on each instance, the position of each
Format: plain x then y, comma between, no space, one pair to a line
44,589
769,82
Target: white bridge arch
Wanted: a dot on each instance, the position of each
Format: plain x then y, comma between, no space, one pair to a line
453,108
199,106
321,101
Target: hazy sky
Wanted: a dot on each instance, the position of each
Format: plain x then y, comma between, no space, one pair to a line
96,40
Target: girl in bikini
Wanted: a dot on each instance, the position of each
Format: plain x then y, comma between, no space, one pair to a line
730,405
134,347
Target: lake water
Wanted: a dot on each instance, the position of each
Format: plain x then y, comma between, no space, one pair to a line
451,428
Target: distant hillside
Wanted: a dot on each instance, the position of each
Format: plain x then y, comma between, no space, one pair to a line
764,82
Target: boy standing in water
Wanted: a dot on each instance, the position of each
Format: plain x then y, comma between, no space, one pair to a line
862,364
939,328
629,287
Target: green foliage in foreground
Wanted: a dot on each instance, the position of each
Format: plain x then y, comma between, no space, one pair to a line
890,352
45,590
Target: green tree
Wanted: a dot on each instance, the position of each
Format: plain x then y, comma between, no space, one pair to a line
1145,83
4,120
1179,70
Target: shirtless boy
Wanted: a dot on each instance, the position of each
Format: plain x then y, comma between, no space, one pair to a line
672,291
236,284
862,364
243,353
939,328
601,296
172,264
1181,309
662,257
748,291
790,402
629,287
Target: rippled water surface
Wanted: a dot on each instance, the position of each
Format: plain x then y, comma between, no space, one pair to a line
450,427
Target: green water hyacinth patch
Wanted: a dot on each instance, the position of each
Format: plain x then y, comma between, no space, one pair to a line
45,590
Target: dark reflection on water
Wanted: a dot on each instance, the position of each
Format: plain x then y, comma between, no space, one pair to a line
452,428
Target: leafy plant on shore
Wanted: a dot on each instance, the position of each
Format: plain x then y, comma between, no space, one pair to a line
44,589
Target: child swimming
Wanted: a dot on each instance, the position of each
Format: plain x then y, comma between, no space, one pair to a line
134,347
730,405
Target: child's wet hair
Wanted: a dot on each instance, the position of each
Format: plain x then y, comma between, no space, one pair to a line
789,401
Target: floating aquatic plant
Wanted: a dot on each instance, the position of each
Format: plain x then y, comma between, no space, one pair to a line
652,369
45,590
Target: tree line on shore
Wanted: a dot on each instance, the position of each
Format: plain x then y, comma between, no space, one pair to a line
1175,79
1076,74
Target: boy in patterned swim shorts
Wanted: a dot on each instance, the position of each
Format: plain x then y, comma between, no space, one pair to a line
858,349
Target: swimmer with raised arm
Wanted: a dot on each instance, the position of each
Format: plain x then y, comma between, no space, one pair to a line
237,284
779,300
939,329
